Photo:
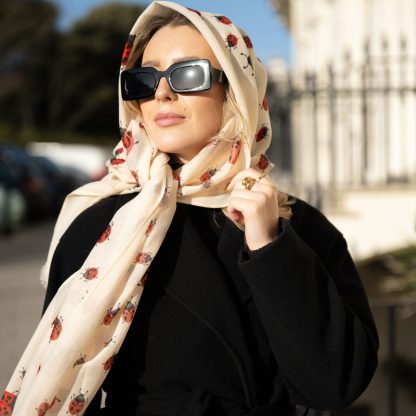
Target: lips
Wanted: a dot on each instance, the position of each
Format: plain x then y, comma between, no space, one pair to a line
168,119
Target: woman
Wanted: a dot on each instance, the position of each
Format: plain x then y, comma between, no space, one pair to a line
252,304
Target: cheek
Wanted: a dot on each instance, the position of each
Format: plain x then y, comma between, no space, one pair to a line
144,108
207,114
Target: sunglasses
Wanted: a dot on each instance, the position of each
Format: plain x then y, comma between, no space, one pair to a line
182,77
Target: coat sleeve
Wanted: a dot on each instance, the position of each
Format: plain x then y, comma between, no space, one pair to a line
315,312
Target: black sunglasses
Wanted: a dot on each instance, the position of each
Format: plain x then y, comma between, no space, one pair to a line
182,77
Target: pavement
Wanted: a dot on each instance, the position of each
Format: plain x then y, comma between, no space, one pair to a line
21,294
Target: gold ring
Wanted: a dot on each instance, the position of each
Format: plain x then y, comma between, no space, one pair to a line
248,182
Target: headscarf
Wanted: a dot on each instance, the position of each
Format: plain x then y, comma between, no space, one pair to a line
78,338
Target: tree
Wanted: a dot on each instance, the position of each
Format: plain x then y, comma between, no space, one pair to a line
86,73
28,40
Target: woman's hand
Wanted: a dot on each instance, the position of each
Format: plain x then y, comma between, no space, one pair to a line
257,209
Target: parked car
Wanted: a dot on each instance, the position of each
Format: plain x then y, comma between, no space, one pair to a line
60,180
29,179
12,202
32,186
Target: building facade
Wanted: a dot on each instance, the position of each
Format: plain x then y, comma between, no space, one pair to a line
352,98
344,133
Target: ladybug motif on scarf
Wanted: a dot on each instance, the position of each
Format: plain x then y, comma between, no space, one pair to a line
106,234
231,41
206,177
262,133
128,141
264,104
128,313
143,258
109,363
195,11
45,406
114,161
247,41
263,162
109,316
90,273
150,227
224,19
56,329
77,403
127,49
7,403
23,373
249,63
81,360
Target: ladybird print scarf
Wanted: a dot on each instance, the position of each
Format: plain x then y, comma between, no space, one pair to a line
78,338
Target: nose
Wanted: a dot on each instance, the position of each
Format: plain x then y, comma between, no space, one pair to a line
163,91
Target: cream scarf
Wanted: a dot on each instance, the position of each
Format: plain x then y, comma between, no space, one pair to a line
84,326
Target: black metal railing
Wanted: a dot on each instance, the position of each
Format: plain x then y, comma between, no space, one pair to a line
359,110
392,307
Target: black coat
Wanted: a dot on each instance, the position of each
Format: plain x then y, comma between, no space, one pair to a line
221,330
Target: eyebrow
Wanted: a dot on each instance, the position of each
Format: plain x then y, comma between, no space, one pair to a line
181,59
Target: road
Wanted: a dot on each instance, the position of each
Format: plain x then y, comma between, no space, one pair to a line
21,294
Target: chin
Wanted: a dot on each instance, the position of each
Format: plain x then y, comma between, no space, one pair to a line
168,144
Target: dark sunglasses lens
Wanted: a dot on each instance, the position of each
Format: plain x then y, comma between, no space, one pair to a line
187,78
140,85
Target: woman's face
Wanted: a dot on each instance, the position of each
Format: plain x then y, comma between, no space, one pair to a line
197,116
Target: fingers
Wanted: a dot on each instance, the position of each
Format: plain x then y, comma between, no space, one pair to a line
244,205
259,188
255,207
241,208
249,204
258,193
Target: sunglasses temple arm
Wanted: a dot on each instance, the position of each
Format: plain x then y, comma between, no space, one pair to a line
218,75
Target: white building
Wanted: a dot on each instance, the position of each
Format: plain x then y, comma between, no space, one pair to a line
353,116
351,138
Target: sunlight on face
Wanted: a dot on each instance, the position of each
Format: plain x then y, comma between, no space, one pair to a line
196,117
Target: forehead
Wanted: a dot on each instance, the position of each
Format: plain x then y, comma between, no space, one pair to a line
172,43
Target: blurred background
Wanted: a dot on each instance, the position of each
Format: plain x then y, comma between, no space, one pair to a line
342,98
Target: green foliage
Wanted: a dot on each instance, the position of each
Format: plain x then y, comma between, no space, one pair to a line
28,40
88,65
24,136
60,84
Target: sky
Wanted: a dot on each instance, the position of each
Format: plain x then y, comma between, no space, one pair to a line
257,17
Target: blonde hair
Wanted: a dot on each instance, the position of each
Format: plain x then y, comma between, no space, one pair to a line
232,125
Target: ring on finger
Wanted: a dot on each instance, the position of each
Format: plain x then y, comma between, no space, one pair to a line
248,182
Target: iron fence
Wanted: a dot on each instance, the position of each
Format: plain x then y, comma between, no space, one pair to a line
351,125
